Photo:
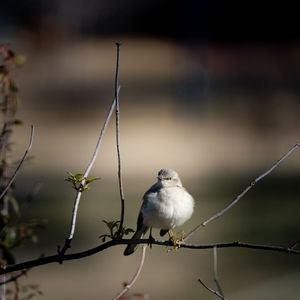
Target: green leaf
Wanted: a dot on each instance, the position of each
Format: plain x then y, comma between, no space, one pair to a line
78,177
18,122
88,180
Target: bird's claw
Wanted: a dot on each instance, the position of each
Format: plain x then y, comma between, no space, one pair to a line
151,240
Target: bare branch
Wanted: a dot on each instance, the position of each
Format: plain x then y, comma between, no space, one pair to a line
15,277
218,293
86,173
242,194
64,257
20,164
136,275
211,290
216,280
89,167
118,144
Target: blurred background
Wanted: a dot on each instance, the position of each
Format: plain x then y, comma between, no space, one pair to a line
211,91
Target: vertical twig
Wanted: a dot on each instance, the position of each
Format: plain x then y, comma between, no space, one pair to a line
216,273
89,167
249,187
118,144
85,175
17,289
219,292
136,275
20,164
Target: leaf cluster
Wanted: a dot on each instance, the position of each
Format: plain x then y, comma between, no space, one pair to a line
79,182
113,227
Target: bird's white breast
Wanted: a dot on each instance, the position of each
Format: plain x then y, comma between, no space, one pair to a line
167,208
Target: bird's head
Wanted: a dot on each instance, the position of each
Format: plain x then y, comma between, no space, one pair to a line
168,177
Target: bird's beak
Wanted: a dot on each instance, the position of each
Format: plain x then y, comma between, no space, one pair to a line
159,178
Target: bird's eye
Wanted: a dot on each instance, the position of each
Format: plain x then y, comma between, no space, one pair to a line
168,178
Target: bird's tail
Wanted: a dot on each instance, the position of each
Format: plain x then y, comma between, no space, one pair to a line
138,235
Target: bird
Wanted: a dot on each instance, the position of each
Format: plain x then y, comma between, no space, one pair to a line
166,204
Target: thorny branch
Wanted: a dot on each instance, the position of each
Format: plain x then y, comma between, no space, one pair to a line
242,194
135,277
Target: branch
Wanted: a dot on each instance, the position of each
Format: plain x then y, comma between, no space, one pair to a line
64,257
218,293
20,164
295,244
118,144
242,194
211,290
135,277
86,173
14,278
216,280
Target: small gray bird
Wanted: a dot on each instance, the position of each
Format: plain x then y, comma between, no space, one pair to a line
165,205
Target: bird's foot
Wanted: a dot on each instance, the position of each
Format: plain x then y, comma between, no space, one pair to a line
151,239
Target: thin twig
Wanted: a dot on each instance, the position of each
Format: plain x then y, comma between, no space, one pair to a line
78,255
295,244
218,293
14,278
86,173
90,165
20,164
211,290
17,289
250,186
136,275
216,280
118,144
